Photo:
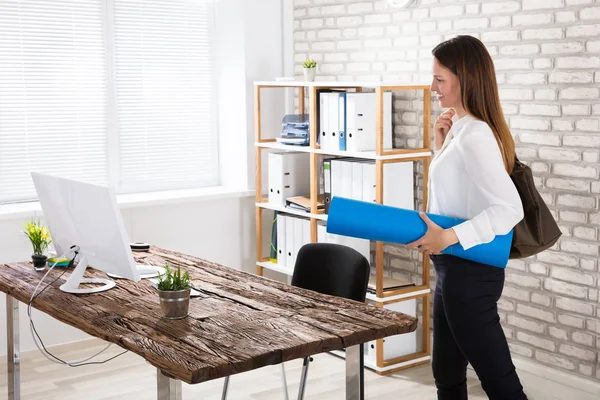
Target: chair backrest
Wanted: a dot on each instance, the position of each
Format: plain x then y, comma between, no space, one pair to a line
332,269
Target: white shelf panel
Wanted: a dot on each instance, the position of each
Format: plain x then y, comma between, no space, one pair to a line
280,208
373,297
369,155
276,267
372,364
340,84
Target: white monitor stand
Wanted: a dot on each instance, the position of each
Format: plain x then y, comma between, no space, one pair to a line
72,285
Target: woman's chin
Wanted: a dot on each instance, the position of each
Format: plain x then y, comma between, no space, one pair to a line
444,103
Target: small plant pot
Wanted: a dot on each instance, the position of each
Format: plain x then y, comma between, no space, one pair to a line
309,74
39,261
174,303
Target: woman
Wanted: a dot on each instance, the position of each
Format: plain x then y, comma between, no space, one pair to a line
469,179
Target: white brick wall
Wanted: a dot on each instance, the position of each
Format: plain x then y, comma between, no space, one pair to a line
547,58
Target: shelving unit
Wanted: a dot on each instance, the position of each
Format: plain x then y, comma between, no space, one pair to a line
381,297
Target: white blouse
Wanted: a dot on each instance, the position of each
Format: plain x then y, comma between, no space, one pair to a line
468,180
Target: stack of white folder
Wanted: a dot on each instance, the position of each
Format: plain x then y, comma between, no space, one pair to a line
356,179
397,345
294,232
288,176
348,121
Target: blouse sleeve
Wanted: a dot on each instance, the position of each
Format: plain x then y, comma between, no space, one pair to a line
485,167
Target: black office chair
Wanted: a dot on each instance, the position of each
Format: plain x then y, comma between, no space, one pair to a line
335,270
331,269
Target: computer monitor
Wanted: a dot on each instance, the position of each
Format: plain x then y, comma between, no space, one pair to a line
86,215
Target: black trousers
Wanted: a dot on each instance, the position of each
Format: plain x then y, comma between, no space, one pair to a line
466,329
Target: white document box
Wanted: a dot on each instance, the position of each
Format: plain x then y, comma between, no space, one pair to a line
357,179
281,240
398,183
361,121
290,232
288,176
397,345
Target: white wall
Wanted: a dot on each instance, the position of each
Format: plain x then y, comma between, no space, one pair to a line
231,85
248,48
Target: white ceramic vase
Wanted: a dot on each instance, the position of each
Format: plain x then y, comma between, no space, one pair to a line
309,74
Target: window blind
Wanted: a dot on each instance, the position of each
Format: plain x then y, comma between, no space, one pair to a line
164,85
52,93
117,92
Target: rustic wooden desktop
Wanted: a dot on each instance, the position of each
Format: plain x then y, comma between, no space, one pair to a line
240,322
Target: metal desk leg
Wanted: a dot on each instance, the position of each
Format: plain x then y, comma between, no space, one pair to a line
167,388
355,378
12,353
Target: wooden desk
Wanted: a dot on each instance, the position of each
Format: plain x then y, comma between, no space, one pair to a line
241,322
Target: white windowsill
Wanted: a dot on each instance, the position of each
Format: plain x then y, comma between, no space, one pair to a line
31,209
180,196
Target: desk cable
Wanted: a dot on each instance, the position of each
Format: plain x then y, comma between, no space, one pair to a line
36,336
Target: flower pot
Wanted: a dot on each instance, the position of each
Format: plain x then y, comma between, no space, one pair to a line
174,303
39,261
309,74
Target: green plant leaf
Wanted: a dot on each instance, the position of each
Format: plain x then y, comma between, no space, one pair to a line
309,63
173,280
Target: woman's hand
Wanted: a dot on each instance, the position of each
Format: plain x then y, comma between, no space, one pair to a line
435,239
442,126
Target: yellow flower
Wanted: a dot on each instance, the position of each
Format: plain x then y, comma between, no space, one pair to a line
30,227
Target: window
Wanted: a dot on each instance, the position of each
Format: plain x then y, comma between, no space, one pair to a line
116,92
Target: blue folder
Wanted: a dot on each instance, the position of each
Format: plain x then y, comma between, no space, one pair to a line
342,121
372,221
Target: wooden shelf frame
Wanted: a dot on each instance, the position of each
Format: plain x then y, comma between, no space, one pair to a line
381,157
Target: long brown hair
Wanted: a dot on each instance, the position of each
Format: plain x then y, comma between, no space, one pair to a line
468,59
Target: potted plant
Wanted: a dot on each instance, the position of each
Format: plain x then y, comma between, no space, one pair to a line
40,240
174,293
310,67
